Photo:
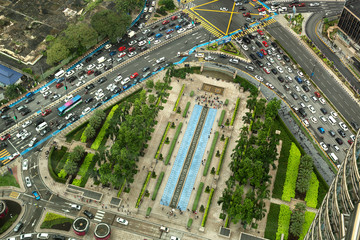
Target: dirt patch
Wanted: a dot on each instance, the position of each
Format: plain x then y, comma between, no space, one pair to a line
62,226
212,88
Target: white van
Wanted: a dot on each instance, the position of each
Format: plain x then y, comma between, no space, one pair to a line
101,60
60,74
43,236
332,120
333,157
41,126
27,236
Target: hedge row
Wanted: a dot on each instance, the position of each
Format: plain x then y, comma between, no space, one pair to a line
83,171
148,211
284,222
207,207
235,111
211,153
198,195
221,119
102,133
186,109
158,183
179,97
173,142
51,170
309,218
162,140
83,138
59,221
222,156
272,221
122,188
291,173
189,223
143,190
311,198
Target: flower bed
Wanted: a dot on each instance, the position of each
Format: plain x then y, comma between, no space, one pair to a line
179,97
309,218
211,153
173,142
162,140
198,195
222,156
143,190
284,222
102,133
221,119
186,109
207,207
291,173
311,198
158,183
235,111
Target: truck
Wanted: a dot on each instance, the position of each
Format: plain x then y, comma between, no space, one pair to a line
131,34
182,54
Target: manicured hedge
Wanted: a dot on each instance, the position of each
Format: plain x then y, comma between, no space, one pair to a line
309,218
186,109
211,153
143,189
102,133
179,97
272,221
158,183
235,111
311,198
189,223
76,133
284,222
52,154
291,173
162,140
121,189
221,119
207,207
52,219
198,195
83,171
173,142
222,156
148,211
83,136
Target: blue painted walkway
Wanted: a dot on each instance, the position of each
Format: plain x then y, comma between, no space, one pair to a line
180,157
196,161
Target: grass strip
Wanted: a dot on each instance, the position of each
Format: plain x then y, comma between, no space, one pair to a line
179,97
162,140
211,154
143,190
173,142
158,183
272,221
222,156
186,109
235,111
207,208
221,119
198,195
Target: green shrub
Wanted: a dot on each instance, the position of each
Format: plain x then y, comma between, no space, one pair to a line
291,173
86,164
53,162
221,119
83,136
235,111
76,133
246,85
162,140
192,93
207,208
102,133
8,223
52,219
148,211
226,102
186,109
198,195
62,174
179,97
312,193
76,182
121,189
189,223
284,222
173,142
143,190
211,153
158,183
272,221
222,156
309,218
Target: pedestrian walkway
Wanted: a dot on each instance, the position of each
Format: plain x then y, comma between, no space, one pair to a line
99,216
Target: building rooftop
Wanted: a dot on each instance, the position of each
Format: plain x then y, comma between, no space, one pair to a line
354,7
8,76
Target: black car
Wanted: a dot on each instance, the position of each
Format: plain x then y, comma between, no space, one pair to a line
108,67
89,214
246,25
155,26
88,59
274,44
90,86
280,51
5,117
101,80
88,100
97,73
339,141
157,68
332,133
162,28
58,237
5,109
143,48
145,69
39,121
71,79
25,111
324,111
355,125
274,71
286,58
251,36
150,34
281,79
259,63
61,126
306,88
258,44
82,72
253,57
302,112
172,24
246,40
242,8
117,90
223,55
341,132
30,99
74,119
98,52
106,98
98,104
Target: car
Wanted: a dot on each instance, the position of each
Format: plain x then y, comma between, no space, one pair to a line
301,5
91,66
288,78
234,60
36,195
270,59
100,66
350,141
134,75
169,31
244,47
306,88
75,207
133,42
279,69
355,125
259,78
264,51
324,111
28,100
69,73
142,43
132,54
25,164
321,130
90,86
100,96
111,87
88,100
246,40
122,54
67,117
269,85
286,58
122,221
250,68
224,9
98,104
32,142
323,119
28,182
265,43
157,41
288,69
79,83
46,94
90,72
164,229
86,111
300,73
322,101
297,88
260,32
304,97
332,133
336,148
341,132
324,146
181,30
315,4
266,70
274,71
339,141
343,126
313,119
281,79
294,95
102,80
160,60
74,119
314,98
26,123
312,109
88,214
46,112
18,226
122,48
151,10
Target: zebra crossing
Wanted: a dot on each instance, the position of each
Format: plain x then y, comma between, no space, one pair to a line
204,24
253,29
99,216
14,195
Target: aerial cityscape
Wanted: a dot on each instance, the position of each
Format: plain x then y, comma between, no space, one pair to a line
180,119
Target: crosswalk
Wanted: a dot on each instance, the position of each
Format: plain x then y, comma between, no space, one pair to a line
14,195
204,24
4,153
99,215
253,29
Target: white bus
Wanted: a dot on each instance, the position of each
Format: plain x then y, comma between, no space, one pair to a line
333,157
59,74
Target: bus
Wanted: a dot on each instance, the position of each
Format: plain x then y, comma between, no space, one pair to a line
70,105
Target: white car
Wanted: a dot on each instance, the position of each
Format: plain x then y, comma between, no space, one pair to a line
146,31
28,182
151,10
334,114
208,58
69,116
122,221
111,87
83,77
307,82
263,13
25,165
145,10
270,59
79,66
224,9
125,81
238,4
297,88
312,109
99,91
279,69
46,94
259,78
133,42
323,119
142,43
181,30
26,124
21,133
278,57
68,98
352,137
69,73
32,142
44,89
314,98
314,4
324,146
234,60
91,66
99,96
250,68
302,105
79,83
305,122
157,41
288,69
199,55
244,47
153,3
132,54
100,66
160,60
118,79
108,46
268,64
322,101
313,119
168,36
343,126
150,39
25,135
86,111
287,77
300,73
269,85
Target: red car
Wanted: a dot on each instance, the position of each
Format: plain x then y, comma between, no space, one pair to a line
317,94
165,22
261,9
350,141
121,48
301,5
46,112
14,156
122,54
263,51
246,14
90,72
265,43
260,32
131,49
134,75
266,70
5,137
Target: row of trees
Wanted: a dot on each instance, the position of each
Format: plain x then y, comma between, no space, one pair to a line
72,164
95,122
251,160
